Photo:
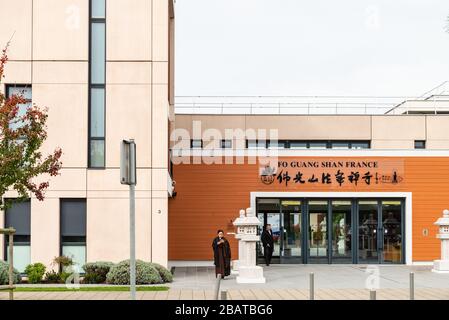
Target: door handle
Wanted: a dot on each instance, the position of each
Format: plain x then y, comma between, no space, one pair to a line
380,233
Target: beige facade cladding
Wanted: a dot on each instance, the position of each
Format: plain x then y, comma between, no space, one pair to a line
49,50
384,131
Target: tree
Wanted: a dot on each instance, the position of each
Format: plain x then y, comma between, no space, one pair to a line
22,133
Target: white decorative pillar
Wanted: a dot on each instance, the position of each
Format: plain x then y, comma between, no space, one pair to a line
238,236
247,236
442,266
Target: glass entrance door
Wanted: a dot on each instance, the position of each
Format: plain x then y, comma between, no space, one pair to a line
291,231
341,212
269,212
367,232
380,231
317,233
392,231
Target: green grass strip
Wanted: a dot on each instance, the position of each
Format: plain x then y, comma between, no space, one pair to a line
86,289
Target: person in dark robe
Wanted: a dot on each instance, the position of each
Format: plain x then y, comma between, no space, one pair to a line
222,255
267,242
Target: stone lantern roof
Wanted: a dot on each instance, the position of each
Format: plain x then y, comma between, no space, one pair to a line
443,221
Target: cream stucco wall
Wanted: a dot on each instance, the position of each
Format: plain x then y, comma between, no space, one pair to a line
50,50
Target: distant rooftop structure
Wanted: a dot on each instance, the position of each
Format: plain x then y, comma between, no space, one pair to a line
435,101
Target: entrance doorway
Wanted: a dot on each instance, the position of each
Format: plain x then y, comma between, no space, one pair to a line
333,230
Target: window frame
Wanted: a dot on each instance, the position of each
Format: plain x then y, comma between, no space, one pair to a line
191,144
419,141
19,85
61,236
93,20
16,240
223,144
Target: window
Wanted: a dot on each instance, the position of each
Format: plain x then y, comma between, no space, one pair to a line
420,144
340,145
226,144
196,143
305,144
18,216
97,81
298,145
360,145
259,144
73,229
24,91
278,144
317,145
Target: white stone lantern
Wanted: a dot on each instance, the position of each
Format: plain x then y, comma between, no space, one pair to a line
247,236
442,265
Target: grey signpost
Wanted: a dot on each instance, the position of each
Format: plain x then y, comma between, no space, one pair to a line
128,176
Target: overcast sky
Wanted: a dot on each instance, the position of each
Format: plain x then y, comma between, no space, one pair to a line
313,47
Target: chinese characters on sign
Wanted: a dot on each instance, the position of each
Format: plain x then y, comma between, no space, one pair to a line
334,173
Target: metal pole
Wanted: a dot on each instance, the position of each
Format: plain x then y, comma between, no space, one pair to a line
224,294
11,266
217,286
372,294
412,286
312,286
132,239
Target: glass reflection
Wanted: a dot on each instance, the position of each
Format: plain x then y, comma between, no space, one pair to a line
368,221
317,237
392,231
341,231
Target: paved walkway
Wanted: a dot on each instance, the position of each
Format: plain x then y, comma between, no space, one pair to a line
239,294
284,282
326,277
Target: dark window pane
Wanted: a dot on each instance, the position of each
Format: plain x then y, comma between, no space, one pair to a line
73,217
360,145
226,144
252,143
196,143
18,216
420,144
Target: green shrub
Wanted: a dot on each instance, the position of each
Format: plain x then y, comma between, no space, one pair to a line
64,275
96,271
93,278
62,262
4,274
145,273
35,272
53,277
163,272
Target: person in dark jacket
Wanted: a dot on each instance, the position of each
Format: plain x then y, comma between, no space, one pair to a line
267,242
222,255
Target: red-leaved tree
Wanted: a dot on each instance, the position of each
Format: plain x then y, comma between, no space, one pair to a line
21,136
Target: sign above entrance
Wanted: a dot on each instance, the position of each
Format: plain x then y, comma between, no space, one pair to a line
333,173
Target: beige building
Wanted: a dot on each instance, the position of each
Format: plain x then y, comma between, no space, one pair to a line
104,69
